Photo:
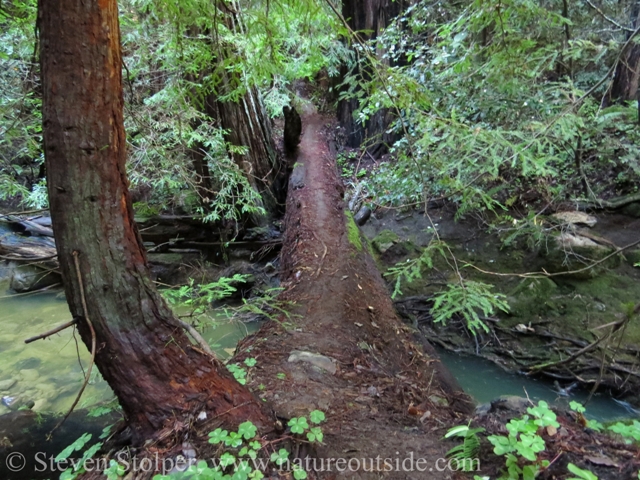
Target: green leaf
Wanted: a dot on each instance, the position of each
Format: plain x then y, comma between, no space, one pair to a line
317,416
280,457
75,446
315,434
226,459
299,473
218,436
580,474
298,424
248,430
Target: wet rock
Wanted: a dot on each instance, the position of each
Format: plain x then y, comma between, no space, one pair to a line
320,361
172,268
533,296
510,403
31,362
385,240
483,409
40,405
362,216
26,278
632,257
576,218
633,209
28,432
46,390
437,400
5,385
17,403
571,251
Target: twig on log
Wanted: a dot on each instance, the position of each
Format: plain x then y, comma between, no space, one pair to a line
93,343
32,292
51,332
611,204
197,337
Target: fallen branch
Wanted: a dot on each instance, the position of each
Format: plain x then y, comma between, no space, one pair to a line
93,343
545,274
611,204
197,337
582,351
52,332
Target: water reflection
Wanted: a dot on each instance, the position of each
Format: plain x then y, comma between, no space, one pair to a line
485,381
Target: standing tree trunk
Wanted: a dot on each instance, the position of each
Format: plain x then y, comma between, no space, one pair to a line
627,76
368,18
245,119
142,351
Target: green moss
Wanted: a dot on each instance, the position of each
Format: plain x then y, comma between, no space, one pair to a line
533,296
385,240
353,232
632,257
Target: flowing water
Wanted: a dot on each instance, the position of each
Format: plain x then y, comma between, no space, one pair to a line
47,372
485,381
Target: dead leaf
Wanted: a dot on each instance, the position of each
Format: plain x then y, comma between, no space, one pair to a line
551,430
602,460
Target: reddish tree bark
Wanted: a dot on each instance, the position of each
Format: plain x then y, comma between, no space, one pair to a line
142,352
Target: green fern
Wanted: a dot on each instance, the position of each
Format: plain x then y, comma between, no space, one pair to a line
466,299
469,449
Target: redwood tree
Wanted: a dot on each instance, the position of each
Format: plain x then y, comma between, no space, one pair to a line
142,351
627,75
368,18
247,125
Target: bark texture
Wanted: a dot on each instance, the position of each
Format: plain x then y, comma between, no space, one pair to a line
627,75
248,126
369,18
142,352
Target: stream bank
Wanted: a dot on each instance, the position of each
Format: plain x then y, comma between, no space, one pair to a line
550,318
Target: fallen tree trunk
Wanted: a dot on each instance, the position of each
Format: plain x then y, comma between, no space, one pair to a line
344,350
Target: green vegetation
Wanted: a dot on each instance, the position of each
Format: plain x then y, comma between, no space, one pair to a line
508,107
499,99
467,452
353,232
239,451
236,460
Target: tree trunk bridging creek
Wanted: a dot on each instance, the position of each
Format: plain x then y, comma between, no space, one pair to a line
160,379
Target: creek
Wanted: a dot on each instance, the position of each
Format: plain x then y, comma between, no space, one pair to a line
47,372
484,381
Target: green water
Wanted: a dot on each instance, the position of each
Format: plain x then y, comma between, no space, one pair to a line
485,381
47,371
